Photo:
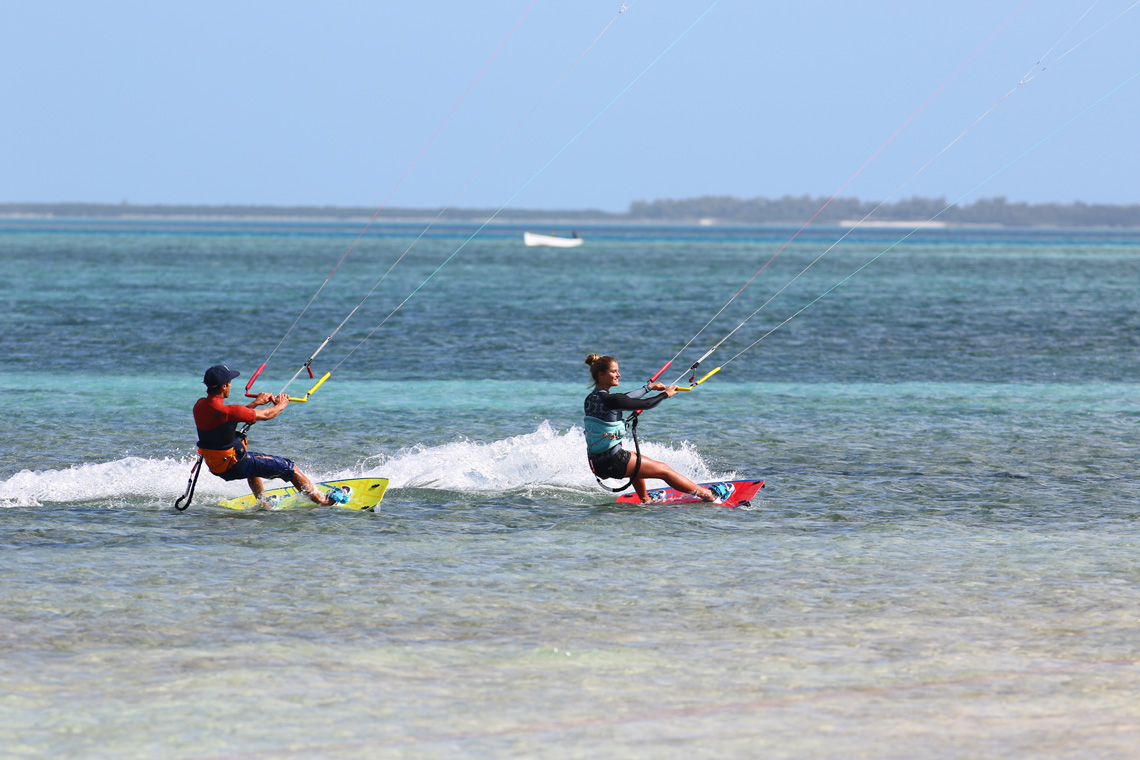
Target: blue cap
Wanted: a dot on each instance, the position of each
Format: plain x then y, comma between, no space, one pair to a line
219,375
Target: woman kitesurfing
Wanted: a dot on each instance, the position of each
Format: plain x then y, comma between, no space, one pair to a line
605,430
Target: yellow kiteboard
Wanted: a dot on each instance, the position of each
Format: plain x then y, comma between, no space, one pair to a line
363,494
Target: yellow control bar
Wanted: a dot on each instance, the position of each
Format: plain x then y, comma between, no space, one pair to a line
706,377
313,390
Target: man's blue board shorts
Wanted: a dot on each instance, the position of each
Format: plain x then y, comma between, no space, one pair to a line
255,465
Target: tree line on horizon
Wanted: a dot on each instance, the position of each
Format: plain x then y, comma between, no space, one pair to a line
796,209
718,209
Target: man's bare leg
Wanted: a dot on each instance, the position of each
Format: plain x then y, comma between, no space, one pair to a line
305,486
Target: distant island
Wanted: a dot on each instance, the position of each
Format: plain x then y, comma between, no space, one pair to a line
706,210
796,210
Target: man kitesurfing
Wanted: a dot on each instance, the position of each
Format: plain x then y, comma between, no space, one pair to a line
223,448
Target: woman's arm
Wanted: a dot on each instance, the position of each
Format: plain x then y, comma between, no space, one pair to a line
626,401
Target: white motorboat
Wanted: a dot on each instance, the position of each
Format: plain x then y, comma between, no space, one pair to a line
532,239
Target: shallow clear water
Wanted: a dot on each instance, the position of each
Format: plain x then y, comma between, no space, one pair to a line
943,564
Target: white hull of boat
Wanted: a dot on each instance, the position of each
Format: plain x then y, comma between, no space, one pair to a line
531,239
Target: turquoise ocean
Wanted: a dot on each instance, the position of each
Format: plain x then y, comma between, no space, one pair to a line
945,562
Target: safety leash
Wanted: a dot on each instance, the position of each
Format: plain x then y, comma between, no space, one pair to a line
188,495
631,423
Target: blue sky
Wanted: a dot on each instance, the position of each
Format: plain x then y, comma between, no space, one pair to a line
300,103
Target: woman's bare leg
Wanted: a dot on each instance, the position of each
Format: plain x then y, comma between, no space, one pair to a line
639,486
651,468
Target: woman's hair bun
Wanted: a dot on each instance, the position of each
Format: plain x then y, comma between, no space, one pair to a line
591,359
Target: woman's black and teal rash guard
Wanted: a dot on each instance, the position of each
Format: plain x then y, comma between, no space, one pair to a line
603,421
